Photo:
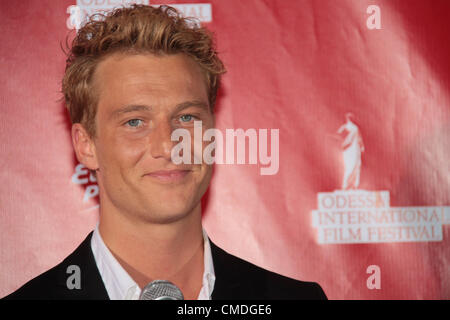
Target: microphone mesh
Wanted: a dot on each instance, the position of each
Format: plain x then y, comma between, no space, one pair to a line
161,290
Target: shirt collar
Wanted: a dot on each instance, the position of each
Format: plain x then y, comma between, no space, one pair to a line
120,285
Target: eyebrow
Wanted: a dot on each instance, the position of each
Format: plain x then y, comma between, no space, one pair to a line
130,108
141,107
193,103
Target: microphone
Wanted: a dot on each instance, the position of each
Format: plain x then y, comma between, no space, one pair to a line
161,290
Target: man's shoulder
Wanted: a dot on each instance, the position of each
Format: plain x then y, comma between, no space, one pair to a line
76,277
240,279
43,287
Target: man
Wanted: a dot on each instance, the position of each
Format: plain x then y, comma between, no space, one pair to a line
132,78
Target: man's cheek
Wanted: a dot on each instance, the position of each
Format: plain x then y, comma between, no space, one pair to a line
130,152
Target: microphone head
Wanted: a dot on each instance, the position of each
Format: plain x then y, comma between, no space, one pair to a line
161,290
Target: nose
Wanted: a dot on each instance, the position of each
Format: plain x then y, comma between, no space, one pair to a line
160,142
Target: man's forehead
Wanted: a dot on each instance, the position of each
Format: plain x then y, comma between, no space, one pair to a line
140,70
147,69
140,82
141,62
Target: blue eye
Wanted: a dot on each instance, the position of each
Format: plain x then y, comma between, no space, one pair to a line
186,118
134,123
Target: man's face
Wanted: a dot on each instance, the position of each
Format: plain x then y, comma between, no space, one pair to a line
142,99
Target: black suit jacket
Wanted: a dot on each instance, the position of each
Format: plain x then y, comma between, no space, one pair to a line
235,279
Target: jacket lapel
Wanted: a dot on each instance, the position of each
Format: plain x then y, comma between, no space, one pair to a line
228,284
92,286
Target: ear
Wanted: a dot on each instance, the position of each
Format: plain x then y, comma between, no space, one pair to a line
84,147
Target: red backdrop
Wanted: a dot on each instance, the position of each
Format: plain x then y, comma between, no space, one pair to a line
296,66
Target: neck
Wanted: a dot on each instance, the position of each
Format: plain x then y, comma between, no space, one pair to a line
147,251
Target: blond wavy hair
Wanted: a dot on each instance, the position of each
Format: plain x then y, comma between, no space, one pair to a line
135,29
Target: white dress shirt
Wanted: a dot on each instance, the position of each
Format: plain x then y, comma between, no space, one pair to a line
119,284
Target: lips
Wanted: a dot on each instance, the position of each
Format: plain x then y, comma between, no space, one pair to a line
169,175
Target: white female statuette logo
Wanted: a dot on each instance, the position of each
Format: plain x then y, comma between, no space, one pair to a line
353,148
